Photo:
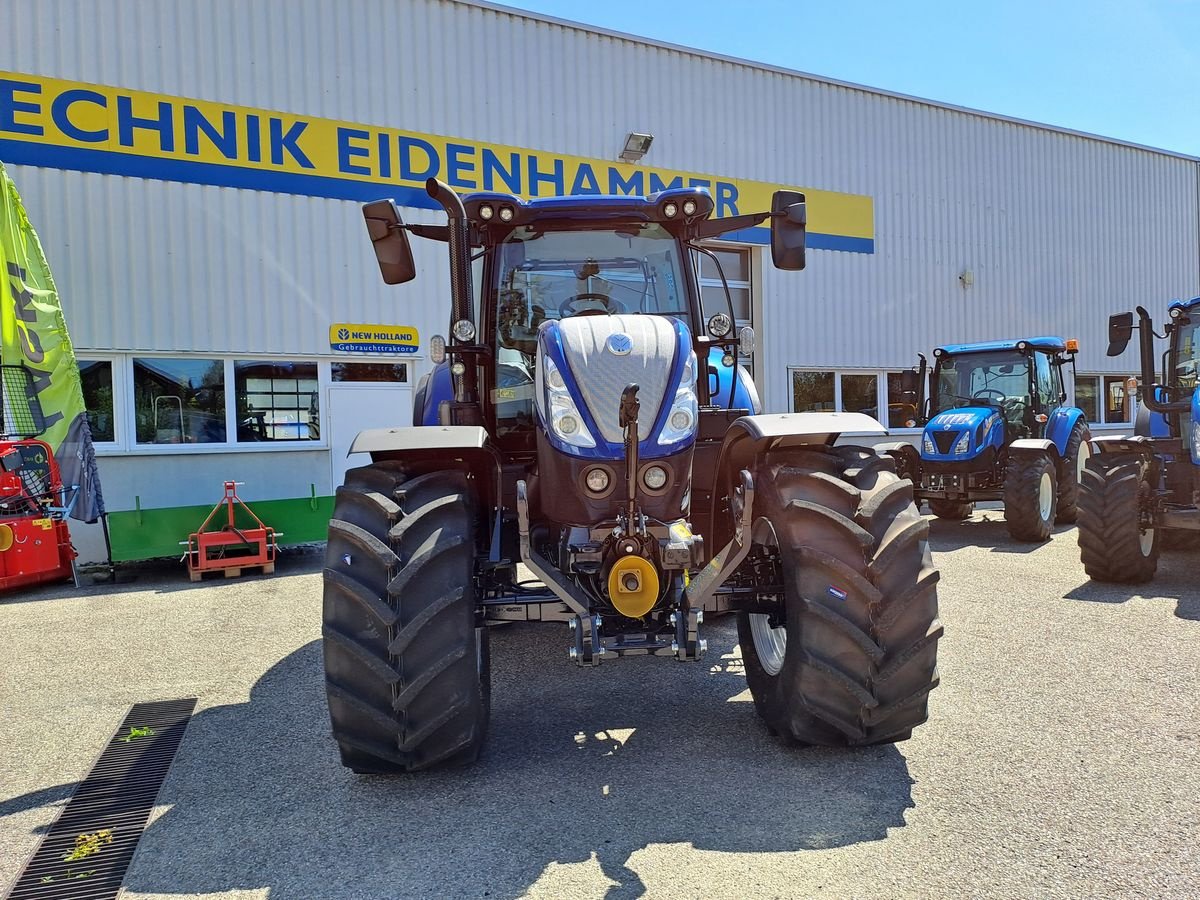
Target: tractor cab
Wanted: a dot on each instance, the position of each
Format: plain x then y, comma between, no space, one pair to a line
984,396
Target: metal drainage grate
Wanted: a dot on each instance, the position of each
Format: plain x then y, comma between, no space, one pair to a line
105,817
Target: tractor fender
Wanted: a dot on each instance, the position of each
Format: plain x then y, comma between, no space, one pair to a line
1058,428
751,436
1118,444
432,448
1032,445
897,447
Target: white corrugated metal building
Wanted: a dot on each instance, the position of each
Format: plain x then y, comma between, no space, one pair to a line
155,150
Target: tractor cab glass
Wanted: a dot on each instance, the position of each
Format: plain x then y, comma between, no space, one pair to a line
999,379
543,275
1187,353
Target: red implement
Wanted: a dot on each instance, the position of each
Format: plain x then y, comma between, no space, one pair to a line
228,546
35,544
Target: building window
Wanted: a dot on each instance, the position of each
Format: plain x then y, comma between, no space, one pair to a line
97,379
735,264
860,393
276,401
813,392
1102,399
388,373
179,401
902,410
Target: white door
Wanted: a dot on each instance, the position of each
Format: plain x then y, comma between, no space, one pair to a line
357,407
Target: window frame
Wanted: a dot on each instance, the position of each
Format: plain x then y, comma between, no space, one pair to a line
119,403
124,425
1099,379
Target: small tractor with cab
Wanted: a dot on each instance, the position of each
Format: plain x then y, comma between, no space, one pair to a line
1141,491
997,427
589,421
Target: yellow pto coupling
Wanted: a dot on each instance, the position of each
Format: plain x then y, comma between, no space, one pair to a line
633,586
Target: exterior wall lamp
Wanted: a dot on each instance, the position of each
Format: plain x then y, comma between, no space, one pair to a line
636,145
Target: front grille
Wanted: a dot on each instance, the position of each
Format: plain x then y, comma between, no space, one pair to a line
944,440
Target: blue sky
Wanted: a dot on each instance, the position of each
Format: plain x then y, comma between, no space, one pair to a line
1129,70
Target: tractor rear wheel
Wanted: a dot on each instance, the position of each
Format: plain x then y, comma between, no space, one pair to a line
1076,457
1030,496
951,509
851,656
1114,545
406,663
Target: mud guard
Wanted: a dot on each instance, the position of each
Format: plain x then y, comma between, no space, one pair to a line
433,448
750,436
1034,445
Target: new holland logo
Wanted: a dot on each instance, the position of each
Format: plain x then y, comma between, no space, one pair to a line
619,344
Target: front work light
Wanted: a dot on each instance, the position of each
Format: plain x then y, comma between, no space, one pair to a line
506,214
486,212
670,210
464,331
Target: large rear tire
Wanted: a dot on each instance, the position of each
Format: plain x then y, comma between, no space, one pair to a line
1114,543
1073,463
406,663
854,654
951,509
1030,496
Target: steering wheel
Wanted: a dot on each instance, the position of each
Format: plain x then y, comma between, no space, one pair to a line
566,308
1000,395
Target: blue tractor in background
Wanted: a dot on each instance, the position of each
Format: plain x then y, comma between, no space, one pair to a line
1138,491
997,427
588,424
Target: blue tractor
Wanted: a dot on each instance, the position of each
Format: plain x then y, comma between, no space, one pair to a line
1141,490
588,421
997,427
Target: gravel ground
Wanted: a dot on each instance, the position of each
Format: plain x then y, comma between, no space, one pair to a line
1059,759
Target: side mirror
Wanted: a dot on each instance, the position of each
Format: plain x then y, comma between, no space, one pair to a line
788,221
390,241
1120,330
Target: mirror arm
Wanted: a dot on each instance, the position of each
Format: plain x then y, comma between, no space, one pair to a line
430,232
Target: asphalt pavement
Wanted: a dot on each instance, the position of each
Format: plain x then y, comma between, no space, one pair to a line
1060,759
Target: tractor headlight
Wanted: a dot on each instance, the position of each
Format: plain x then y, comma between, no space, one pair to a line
464,331
961,445
654,478
597,480
681,420
1195,440
927,444
566,422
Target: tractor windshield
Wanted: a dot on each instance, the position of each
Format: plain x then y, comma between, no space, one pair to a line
552,274
1187,355
997,378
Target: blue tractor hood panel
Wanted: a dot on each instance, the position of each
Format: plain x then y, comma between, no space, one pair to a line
654,409
982,425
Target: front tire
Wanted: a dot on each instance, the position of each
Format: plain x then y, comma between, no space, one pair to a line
1030,496
1114,545
406,663
855,656
1073,463
953,510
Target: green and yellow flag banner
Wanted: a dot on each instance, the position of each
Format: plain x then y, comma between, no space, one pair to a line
43,394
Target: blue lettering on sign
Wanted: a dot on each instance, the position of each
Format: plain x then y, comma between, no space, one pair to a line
224,139
656,183
510,176
433,162
457,168
585,181
10,106
346,150
368,347
127,122
554,178
281,141
59,112
635,185
727,195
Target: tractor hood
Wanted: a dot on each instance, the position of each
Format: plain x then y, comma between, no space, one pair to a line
957,435
585,362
